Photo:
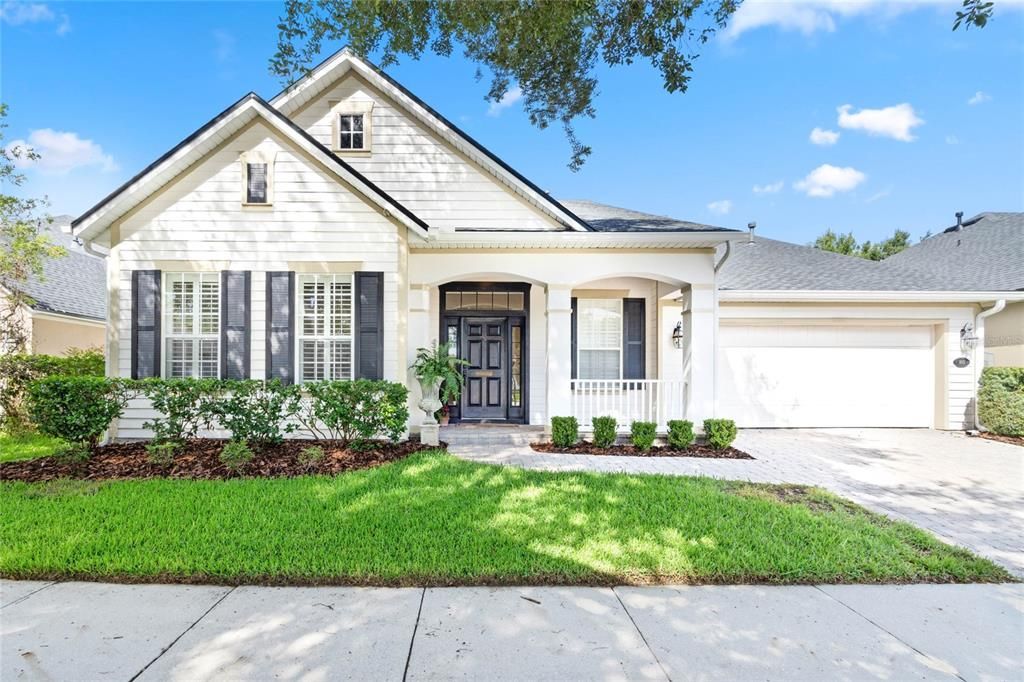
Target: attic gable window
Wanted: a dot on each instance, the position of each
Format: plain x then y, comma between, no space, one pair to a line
350,131
352,126
258,178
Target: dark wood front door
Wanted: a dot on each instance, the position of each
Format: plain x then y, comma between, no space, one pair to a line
484,346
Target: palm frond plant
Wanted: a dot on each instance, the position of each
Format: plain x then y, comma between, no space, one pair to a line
439,368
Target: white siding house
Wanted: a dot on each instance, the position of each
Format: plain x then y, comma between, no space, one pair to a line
332,231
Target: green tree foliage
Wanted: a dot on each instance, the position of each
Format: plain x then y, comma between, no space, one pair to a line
973,13
847,245
548,48
23,249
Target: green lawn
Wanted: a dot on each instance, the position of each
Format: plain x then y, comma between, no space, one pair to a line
434,519
27,446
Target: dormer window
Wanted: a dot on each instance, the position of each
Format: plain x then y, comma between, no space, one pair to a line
350,131
258,178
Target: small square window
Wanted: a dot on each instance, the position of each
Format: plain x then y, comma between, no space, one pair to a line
256,183
350,131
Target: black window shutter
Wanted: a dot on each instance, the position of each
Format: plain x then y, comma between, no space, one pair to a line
235,322
572,335
633,338
256,184
369,325
281,326
145,324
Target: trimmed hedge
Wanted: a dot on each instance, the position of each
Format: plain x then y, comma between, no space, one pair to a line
604,431
719,433
1001,400
680,433
18,370
354,411
565,431
76,409
643,434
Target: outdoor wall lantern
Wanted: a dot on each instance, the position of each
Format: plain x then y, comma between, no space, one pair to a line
677,336
968,340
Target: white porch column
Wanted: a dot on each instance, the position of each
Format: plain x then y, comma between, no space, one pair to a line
559,360
699,322
419,336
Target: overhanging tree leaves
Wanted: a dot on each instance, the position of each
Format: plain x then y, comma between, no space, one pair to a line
847,245
973,13
23,249
549,48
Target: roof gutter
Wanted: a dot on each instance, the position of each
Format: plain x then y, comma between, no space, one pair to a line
866,296
979,329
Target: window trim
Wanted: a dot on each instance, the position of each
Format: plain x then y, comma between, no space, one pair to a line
352,108
167,326
299,317
579,337
253,157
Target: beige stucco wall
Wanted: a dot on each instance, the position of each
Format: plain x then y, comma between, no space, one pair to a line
1004,337
52,336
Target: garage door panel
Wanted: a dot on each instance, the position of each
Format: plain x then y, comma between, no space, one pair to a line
809,376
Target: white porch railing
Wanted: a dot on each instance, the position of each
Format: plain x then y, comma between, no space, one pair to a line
628,400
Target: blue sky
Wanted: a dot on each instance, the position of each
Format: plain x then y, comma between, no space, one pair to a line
914,121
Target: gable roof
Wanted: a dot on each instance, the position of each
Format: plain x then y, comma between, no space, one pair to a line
344,60
605,218
74,285
250,107
986,253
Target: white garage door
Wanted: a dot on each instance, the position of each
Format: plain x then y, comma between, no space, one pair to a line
826,375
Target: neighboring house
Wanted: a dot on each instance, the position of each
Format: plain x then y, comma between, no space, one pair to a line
986,251
68,307
330,232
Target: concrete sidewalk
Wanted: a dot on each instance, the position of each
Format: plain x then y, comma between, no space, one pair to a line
86,631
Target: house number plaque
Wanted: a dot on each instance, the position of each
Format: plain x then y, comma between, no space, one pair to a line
961,362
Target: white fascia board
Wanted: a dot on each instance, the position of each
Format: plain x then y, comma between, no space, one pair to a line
797,296
67,317
347,60
576,240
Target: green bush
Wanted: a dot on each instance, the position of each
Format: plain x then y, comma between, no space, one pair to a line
76,409
1001,400
161,453
680,433
311,456
236,455
18,370
184,407
73,453
604,431
255,412
719,433
642,434
353,411
565,431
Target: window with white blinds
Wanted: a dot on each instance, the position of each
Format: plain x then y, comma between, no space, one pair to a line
191,325
599,338
325,327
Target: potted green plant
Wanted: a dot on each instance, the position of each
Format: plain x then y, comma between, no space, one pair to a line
439,373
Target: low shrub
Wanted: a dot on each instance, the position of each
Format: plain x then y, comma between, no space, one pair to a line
76,409
1001,400
255,412
680,433
184,407
719,433
642,434
18,370
236,455
161,453
73,453
353,411
604,431
311,456
565,431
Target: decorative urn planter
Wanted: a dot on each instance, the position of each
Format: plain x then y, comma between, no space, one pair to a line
430,403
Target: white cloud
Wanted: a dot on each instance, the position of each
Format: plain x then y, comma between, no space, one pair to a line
721,207
826,180
19,13
979,98
896,121
825,138
61,152
770,188
952,139
513,95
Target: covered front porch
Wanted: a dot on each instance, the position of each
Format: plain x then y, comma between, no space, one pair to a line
570,332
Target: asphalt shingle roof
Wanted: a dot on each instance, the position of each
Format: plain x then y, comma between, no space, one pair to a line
987,254
605,218
73,285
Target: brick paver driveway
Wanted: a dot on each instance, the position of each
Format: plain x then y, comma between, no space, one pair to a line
968,491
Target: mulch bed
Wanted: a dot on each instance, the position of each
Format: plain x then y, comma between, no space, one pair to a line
695,450
200,460
1012,440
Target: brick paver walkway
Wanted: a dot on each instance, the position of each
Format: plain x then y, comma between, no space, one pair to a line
967,491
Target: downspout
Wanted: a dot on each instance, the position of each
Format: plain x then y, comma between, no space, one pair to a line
979,329
714,335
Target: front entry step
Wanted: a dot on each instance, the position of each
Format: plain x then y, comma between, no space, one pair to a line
492,434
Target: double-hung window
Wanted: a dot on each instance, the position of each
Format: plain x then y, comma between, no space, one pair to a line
191,324
599,338
325,327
